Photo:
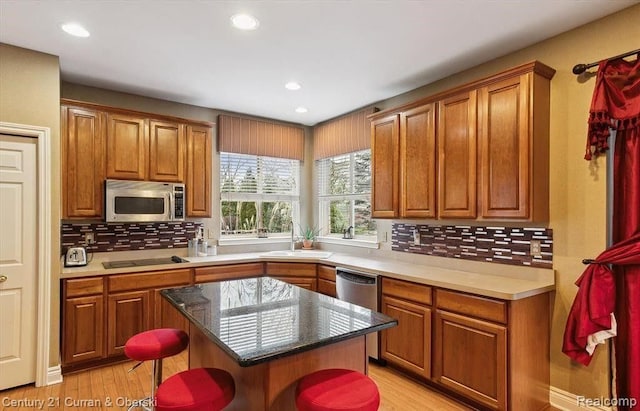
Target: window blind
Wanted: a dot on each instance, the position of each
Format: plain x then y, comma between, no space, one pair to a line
346,176
248,177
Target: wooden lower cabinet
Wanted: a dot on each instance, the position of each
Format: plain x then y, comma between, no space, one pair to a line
494,353
228,272
100,314
83,329
327,280
302,282
83,320
127,314
470,357
300,274
407,346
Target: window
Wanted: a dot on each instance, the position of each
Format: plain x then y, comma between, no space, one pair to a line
258,195
344,194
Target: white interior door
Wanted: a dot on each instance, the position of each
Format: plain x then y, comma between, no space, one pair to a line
18,256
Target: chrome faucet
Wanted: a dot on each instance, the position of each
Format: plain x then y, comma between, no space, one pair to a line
293,241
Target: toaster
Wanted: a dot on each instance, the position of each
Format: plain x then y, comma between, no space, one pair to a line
75,257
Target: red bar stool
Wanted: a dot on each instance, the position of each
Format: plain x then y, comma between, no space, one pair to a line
337,389
155,345
198,389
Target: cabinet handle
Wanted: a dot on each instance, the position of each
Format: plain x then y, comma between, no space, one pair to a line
3,278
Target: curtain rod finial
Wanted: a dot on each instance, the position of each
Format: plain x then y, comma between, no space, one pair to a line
579,68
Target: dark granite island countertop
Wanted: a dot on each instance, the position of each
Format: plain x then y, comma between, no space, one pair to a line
256,320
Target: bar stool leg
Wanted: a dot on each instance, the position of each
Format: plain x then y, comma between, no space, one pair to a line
147,404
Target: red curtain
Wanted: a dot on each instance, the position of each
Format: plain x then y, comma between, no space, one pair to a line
626,225
615,104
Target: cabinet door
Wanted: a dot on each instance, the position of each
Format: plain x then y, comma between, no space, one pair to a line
384,168
409,344
127,147
505,148
302,282
128,314
457,153
83,329
198,185
418,162
470,357
83,162
166,151
166,315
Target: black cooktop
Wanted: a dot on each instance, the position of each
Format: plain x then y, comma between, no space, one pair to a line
142,262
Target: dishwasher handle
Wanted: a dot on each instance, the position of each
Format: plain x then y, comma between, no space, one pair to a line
355,278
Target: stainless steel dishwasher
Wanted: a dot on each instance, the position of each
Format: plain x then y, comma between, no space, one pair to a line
360,289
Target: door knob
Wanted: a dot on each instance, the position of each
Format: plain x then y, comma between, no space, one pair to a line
3,278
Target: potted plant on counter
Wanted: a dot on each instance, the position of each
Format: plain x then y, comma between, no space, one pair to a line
308,236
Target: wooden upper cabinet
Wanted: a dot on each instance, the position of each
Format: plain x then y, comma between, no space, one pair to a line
166,151
457,153
514,148
418,162
198,184
127,147
384,167
83,158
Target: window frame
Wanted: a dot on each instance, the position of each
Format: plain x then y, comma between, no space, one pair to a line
259,197
324,202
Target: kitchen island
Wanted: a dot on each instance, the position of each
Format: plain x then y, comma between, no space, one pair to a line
268,334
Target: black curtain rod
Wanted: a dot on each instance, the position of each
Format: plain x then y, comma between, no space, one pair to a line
581,68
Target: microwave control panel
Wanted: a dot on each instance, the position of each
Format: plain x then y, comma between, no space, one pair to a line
178,195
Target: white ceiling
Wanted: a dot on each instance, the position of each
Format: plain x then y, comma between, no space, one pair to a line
346,54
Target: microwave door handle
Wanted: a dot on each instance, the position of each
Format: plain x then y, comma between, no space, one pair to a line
171,207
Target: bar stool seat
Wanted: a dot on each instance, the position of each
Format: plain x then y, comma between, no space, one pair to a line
337,389
154,345
198,389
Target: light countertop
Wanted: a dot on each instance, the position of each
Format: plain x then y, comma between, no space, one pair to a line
500,281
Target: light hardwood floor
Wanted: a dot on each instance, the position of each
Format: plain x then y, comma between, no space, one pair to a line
108,388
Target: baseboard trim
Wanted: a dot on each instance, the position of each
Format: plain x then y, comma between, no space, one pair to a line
54,375
567,401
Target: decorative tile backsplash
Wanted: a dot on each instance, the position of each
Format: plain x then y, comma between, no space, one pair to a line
128,236
503,245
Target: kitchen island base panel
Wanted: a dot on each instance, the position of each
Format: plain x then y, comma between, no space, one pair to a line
271,385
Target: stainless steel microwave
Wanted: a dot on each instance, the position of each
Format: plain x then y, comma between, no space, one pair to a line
143,201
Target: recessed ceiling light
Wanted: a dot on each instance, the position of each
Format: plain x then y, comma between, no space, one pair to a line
301,110
75,30
244,22
292,85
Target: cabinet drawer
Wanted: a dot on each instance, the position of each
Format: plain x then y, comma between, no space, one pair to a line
472,305
297,269
406,290
327,272
147,280
228,272
327,287
78,287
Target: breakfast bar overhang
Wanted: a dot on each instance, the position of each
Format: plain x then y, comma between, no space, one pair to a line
268,334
